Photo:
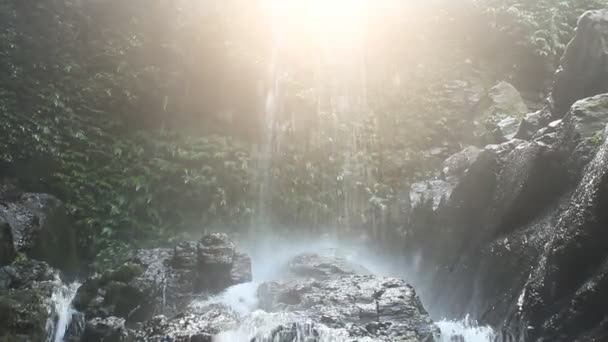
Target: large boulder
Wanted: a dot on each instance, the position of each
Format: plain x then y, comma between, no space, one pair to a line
164,280
385,309
40,228
590,116
584,66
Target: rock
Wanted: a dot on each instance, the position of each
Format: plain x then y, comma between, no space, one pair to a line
561,298
221,263
317,266
503,150
590,115
502,101
24,313
433,193
76,328
386,309
508,127
528,181
532,123
241,269
25,289
457,164
40,228
24,273
164,281
197,323
7,247
110,329
584,67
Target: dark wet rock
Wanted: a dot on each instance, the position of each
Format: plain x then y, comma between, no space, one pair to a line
387,309
522,237
7,248
584,66
319,266
109,329
40,228
75,329
561,300
24,273
502,194
163,280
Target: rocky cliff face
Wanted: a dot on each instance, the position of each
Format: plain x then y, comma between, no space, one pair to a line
518,237
37,226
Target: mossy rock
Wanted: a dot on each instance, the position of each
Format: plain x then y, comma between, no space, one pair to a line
23,314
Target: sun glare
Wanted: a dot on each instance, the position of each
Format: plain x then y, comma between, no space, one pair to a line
324,17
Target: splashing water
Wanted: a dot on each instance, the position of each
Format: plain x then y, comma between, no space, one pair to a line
61,310
465,331
269,327
241,299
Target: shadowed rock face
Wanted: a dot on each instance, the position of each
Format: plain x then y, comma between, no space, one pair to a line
39,228
520,239
584,67
562,299
526,243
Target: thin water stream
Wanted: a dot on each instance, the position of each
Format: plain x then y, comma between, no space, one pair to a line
62,311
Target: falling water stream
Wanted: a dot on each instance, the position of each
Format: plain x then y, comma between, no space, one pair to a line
61,310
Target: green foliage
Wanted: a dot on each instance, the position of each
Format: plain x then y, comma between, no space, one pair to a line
529,37
144,121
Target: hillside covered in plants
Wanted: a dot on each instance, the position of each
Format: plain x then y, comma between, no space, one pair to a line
461,142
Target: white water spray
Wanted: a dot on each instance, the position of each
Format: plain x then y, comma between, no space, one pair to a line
61,310
465,331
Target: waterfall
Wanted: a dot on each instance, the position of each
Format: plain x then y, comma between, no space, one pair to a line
61,310
465,330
